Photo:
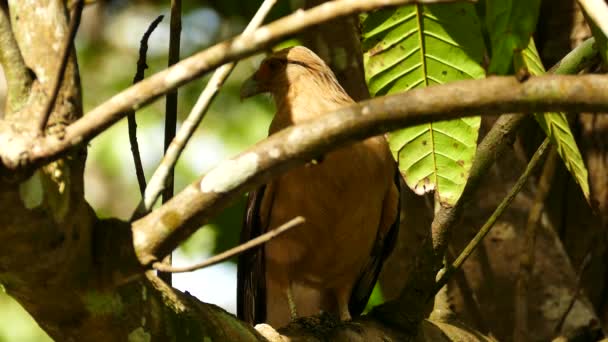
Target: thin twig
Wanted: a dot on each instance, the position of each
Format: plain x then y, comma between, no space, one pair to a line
536,158
597,10
63,62
171,98
526,259
162,175
171,114
253,243
576,292
132,123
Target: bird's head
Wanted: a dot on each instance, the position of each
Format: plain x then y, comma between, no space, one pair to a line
295,67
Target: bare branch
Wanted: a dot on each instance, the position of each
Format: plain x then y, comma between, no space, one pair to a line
63,63
174,150
485,229
295,145
597,10
253,243
134,97
171,98
132,123
527,254
18,77
171,114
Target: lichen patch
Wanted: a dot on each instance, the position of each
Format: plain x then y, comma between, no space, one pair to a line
230,173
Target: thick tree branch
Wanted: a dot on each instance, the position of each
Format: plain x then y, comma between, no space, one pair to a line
66,51
188,69
18,77
155,236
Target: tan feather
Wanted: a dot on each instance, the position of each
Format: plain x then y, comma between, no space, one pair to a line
350,202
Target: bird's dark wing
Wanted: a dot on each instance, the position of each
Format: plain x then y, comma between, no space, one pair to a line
251,279
383,247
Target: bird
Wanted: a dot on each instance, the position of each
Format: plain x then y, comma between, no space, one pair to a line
349,199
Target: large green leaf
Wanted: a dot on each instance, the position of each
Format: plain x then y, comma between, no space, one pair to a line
555,125
510,24
418,46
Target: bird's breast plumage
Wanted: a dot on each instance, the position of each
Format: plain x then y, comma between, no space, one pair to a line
341,198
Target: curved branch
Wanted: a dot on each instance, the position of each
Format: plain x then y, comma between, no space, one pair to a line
144,92
18,77
155,235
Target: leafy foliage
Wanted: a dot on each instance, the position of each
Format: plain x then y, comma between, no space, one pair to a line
510,24
555,125
418,46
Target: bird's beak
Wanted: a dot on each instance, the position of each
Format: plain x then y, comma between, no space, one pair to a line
250,87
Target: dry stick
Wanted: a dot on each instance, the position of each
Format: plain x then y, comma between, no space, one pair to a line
132,123
450,269
260,240
597,10
526,259
63,62
171,113
161,175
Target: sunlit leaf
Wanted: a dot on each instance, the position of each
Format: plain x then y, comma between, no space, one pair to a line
418,46
510,24
555,125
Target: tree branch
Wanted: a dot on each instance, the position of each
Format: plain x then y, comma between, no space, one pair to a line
132,123
154,236
485,229
188,69
528,251
414,295
18,77
597,10
161,174
295,145
216,259
66,51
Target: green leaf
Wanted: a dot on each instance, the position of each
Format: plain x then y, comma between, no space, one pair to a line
417,46
555,125
510,24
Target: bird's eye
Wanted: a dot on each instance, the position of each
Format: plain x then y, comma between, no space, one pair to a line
274,64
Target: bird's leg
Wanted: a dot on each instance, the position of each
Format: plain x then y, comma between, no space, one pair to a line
342,298
292,303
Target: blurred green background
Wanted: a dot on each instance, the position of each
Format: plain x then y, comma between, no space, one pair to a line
107,45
